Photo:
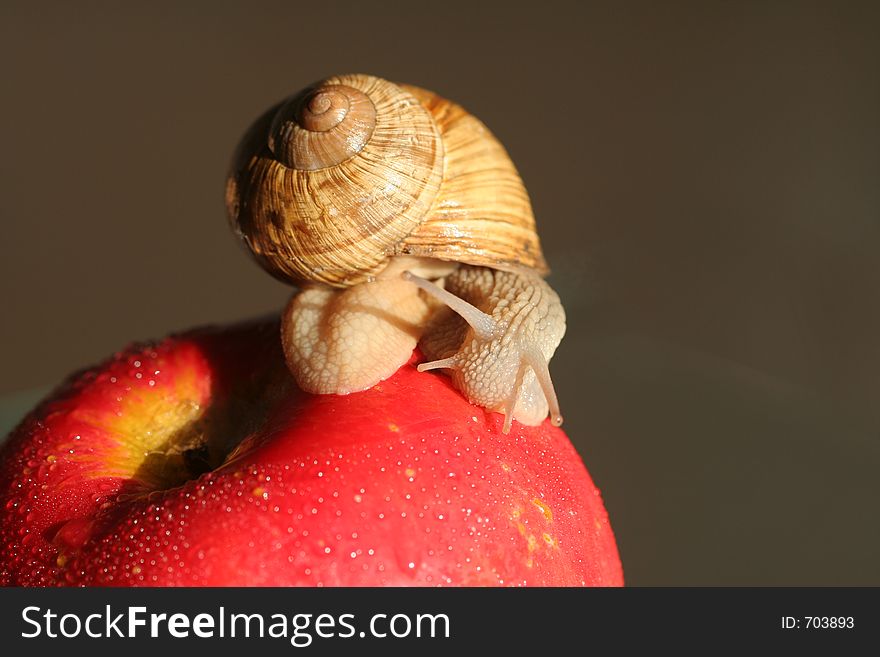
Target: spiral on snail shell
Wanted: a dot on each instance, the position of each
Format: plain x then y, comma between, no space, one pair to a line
322,127
337,179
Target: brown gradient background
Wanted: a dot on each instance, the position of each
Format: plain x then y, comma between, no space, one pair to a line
705,178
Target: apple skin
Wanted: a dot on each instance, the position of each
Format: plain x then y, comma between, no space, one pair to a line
196,461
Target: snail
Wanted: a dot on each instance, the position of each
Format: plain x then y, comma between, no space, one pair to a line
403,221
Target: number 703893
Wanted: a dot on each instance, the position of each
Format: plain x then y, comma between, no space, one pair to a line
818,622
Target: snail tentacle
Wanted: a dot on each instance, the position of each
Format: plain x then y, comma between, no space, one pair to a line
538,363
484,326
511,402
443,363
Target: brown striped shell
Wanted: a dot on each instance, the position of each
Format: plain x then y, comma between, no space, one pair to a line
328,185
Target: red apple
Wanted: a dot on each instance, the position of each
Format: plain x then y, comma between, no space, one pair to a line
195,461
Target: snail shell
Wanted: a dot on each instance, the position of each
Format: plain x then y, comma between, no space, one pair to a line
354,170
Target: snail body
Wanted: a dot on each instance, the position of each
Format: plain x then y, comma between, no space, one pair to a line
361,192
